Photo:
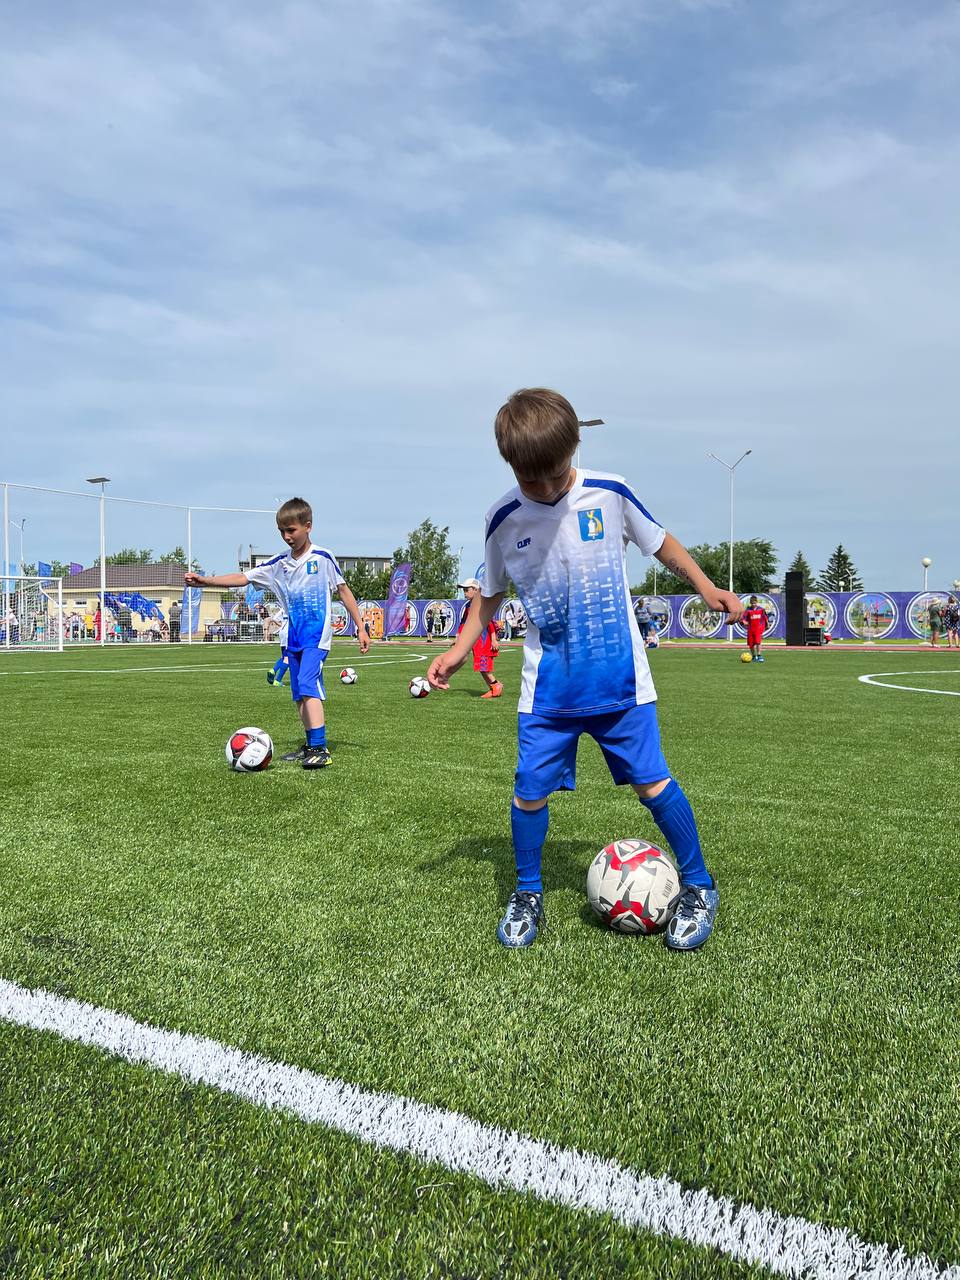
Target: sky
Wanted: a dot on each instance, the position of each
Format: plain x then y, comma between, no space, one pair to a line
256,250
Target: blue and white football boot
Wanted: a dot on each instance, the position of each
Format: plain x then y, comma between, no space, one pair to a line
692,922
522,918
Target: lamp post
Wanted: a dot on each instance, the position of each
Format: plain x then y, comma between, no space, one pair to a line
731,467
101,481
926,562
587,422
19,528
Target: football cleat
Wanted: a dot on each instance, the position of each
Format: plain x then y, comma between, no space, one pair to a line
692,922
523,916
300,752
495,691
316,758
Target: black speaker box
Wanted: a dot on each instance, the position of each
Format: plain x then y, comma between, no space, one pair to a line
796,608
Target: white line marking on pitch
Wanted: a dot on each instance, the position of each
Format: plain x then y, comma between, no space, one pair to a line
912,688
194,666
785,1245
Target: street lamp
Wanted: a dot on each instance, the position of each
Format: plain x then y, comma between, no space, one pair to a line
731,468
101,481
926,562
19,527
587,422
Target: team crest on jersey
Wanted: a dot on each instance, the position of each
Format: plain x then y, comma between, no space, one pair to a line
313,566
591,525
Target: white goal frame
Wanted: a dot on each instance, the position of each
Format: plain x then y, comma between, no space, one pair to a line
22,628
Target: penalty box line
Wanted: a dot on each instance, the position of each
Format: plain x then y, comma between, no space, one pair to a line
789,1246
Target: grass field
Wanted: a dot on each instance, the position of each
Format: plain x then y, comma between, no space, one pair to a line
806,1061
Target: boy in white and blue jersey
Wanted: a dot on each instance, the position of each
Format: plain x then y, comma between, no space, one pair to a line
561,536
303,581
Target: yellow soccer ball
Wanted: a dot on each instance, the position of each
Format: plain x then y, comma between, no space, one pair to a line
746,657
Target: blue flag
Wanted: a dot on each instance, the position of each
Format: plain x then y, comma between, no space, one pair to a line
254,596
75,568
44,570
190,610
396,611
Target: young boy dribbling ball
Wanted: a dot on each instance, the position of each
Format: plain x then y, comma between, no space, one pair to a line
756,621
561,535
303,581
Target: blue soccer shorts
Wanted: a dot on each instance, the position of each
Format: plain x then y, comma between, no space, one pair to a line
306,673
547,757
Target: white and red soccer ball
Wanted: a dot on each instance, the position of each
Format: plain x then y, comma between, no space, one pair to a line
249,750
419,687
348,676
633,886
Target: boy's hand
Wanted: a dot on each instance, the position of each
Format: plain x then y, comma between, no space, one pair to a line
442,668
363,640
193,579
724,602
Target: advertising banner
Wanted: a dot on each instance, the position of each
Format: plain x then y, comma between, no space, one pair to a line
395,613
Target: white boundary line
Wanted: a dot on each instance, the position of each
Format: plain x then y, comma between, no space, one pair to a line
912,688
194,666
785,1245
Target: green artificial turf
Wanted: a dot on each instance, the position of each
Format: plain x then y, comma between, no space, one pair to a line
804,1061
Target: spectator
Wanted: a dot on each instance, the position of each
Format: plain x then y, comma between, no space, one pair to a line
951,616
175,622
935,616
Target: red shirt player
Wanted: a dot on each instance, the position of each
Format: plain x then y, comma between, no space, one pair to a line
756,621
487,647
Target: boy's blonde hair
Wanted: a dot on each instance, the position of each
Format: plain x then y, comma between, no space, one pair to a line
295,511
537,431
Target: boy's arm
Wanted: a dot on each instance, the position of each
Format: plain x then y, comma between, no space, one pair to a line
350,604
221,580
479,618
675,557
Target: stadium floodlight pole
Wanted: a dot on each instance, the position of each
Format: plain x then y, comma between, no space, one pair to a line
101,481
926,562
189,570
731,468
587,422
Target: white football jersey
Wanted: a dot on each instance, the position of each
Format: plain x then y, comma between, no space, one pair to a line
304,588
583,654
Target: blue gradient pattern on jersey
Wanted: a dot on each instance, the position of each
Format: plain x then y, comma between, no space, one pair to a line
308,599
583,622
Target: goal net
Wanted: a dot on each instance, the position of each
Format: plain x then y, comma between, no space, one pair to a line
32,613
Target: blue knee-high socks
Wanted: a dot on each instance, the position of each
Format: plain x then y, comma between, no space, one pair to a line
317,737
529,832
671,812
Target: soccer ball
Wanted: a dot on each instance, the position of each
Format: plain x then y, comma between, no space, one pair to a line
419,687
746,657
633,886
348,676
249,750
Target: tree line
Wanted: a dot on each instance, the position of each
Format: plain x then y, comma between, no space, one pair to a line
434,567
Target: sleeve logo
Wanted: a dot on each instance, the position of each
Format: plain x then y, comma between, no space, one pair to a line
591,525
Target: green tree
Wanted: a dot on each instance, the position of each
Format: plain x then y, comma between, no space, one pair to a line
754,567
799,565
433,566
840,573
367,583
129,555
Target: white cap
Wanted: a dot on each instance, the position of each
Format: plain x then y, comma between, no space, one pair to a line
470,582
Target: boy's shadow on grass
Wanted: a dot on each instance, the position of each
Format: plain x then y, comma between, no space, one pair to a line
565,861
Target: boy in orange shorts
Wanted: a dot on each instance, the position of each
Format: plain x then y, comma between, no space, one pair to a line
487,647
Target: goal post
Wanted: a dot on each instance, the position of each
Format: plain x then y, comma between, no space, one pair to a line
32,617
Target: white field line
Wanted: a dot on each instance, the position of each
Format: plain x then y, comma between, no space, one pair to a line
912,688
196,666
502,1159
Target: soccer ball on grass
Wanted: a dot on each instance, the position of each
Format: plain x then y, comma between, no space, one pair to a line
633,886
419,687
348,676
746,657
248,750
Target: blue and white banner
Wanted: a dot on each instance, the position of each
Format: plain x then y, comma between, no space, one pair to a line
254,596
190,610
